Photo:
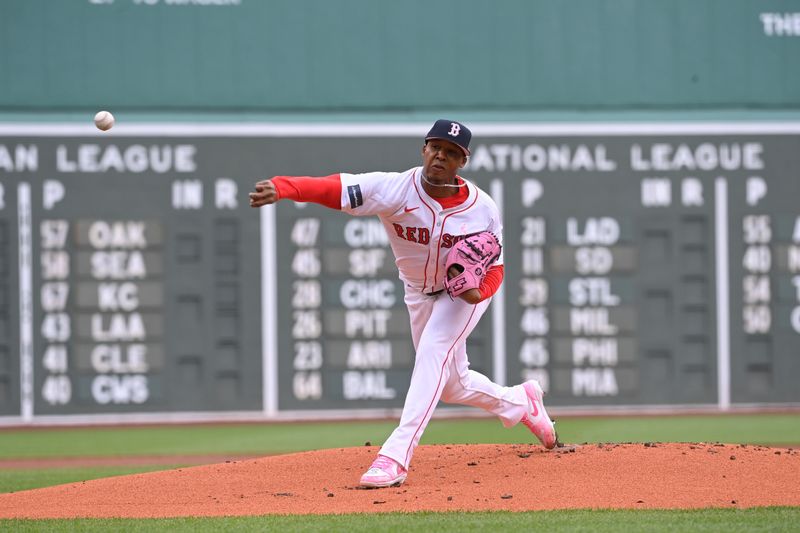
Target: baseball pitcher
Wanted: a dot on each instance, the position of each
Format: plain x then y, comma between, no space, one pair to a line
446,235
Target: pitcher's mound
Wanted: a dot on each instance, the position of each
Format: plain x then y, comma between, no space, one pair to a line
442,478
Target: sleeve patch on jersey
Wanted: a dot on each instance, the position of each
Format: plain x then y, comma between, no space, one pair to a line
356,198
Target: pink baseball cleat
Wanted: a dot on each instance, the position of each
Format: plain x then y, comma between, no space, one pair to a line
384,472
537,420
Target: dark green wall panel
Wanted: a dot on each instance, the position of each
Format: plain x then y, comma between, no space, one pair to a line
359,55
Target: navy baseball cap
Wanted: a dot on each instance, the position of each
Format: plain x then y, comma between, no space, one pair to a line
450,130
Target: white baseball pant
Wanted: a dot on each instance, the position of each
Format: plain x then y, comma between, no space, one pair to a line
439,328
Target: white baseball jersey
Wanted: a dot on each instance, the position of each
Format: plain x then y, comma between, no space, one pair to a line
421,234
420,231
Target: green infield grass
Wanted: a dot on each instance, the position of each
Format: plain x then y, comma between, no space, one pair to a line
14,480
589,521
267,439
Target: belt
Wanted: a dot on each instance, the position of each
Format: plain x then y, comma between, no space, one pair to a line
434,293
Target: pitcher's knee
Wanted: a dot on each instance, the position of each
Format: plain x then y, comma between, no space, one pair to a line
449,397
453,392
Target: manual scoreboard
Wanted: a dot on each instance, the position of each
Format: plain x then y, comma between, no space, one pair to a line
646,265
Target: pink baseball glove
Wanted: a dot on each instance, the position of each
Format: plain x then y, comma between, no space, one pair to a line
471,258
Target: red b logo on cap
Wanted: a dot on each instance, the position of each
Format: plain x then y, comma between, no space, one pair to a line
454,129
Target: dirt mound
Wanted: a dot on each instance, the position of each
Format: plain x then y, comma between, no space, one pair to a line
442,478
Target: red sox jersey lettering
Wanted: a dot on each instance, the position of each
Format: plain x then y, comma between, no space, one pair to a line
423,235
420,230
418,235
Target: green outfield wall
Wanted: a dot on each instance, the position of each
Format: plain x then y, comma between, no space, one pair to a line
366,56
644,155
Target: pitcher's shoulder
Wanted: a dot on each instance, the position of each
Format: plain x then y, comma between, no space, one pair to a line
486,199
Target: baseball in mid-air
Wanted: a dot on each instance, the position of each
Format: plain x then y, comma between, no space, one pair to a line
104,120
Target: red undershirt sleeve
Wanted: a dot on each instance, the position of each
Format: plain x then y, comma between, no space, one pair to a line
491,282
326,190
